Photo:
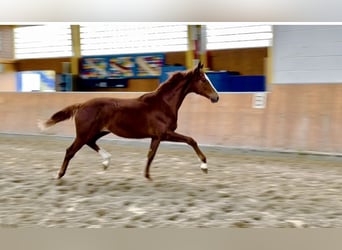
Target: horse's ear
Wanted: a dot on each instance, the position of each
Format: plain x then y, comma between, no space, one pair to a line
199,67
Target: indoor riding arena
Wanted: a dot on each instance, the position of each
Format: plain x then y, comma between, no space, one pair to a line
273,141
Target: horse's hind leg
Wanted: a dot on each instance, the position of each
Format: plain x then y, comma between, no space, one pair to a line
151,153
103,153
70,152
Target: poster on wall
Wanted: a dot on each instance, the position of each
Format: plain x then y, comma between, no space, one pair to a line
94,68
149,65
121,67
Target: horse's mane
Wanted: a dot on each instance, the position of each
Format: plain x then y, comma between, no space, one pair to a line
174,79
170,83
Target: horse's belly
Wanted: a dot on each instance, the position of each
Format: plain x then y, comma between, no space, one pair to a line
129,128
129,134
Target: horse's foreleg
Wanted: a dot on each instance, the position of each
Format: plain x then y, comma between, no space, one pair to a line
173,136
70,152
151,153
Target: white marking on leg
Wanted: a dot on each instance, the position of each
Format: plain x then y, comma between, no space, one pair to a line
204,165
106,158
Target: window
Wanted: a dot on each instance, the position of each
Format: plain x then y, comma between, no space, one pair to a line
230,36
43,41
126,38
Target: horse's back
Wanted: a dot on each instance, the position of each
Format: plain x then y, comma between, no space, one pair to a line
100,101
95,110
110,101
124,117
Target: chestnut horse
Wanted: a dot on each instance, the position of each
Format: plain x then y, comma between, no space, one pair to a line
152,115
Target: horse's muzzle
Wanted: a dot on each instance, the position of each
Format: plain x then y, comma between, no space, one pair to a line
214,99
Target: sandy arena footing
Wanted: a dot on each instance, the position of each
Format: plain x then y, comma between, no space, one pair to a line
242,189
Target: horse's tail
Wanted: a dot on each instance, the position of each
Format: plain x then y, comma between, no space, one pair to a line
59,116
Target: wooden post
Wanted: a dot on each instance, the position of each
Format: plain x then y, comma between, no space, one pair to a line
76,48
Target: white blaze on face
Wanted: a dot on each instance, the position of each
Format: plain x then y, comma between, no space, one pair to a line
105,156
211,84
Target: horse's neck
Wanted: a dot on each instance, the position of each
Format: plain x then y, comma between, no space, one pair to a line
174,96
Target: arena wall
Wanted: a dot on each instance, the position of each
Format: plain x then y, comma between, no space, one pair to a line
301,117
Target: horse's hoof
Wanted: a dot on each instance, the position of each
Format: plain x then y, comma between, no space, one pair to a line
204,170
204,167
148,177
105,164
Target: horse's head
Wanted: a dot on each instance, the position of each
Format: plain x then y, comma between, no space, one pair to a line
201,84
